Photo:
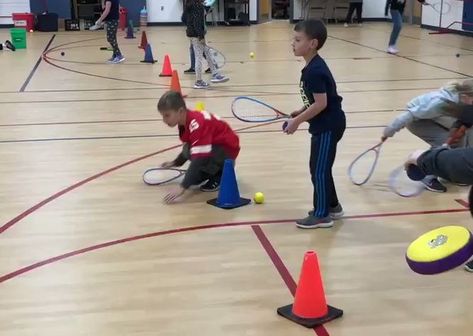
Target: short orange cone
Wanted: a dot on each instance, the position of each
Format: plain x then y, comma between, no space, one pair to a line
167,69
175,85
144,41
310,308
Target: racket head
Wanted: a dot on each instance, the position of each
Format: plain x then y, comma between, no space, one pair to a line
217,57
158,176
249,109
363,166
95,27
414,172
402,185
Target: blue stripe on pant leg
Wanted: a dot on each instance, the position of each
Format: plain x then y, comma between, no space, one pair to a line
318,180
321,175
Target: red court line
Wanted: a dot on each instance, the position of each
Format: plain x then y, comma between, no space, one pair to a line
463,202
282,269
202,227
15,220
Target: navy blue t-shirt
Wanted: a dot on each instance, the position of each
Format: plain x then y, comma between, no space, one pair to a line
114,10
317,78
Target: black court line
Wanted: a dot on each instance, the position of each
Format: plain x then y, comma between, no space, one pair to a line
124,121
259,94
422,39
155,135
405,57
27,81
243,85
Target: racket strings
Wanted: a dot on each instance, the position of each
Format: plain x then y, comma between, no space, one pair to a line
402,185
159,175
362,168
250,110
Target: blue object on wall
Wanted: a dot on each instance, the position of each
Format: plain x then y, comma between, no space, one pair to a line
134,7
63,8
467,15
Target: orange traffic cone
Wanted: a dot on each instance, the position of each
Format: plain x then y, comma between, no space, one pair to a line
310,308
144,41
175,85
167,70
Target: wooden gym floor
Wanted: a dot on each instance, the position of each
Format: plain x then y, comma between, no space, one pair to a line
87,249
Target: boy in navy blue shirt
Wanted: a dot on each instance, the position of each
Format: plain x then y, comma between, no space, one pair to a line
323,110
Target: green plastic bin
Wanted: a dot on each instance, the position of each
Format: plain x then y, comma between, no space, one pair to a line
18,37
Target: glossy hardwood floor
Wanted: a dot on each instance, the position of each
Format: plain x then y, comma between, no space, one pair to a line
87,249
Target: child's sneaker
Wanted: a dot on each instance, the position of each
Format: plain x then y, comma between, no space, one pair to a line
312,222
118,59
200,84
335,212
218,78
189,71
434,185
469,266
10,45
392,50
211,185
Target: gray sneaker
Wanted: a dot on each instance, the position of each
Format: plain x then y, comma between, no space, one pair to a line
469,266
335,212
218,78
312,222
118,59
200,84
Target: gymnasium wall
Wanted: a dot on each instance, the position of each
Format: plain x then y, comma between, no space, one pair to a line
61,7
430,17
7,7
373,9
170,11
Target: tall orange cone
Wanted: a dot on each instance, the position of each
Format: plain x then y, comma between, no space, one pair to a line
175,85
167,69
310,308
144,41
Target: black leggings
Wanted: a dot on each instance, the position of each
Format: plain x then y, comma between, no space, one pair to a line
359,7
112,27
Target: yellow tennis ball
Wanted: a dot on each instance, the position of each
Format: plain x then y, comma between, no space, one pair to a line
252,55
259,198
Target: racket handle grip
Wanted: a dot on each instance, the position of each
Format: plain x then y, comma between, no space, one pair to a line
284,125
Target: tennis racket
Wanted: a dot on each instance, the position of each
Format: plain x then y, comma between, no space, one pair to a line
96,26
362,167
218,58
158,176
253,110
401,183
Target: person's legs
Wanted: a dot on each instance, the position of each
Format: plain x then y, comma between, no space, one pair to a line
351,9
359,12
435,135
397,26
198,46
213,169
112,27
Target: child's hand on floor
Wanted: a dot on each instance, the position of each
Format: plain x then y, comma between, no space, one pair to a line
173,195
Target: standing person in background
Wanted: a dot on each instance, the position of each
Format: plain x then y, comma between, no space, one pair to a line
110,15
396,7
358,5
